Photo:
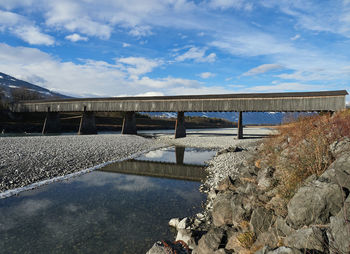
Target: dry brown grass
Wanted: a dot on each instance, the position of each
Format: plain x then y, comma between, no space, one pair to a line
302,148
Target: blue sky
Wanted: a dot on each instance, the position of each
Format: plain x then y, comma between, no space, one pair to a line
173,47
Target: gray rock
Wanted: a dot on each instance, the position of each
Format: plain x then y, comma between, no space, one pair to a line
340,147
261,220
228,209
280,250
226,184
282,228
222,210
269,238
339,231
306,238
314,204
265,178
157,248
160,248
185,235
210,242
339,171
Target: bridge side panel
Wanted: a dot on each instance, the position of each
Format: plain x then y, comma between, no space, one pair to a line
285,104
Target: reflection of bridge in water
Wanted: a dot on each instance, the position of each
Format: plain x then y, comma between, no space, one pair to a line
177,170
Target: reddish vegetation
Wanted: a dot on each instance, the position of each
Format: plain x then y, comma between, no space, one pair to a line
302,148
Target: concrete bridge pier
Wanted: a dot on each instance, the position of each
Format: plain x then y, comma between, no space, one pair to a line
180,130
87,124
240,126
129,123
52,123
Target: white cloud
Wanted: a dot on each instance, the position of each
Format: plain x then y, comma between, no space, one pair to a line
136,66
125,45
76,37
206,75
24,29
196,54
296,37
262,69
150,94
226,4
95,78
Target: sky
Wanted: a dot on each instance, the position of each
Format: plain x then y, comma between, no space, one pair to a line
106,48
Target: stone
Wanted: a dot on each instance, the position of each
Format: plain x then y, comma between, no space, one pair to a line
265,178
185,235
280,250
209,242
340,146
339,231
261,220
228,209
165,247
269,238
277,204
174,222
306,238
314,204
339,171
282,228
157,248
225,184
220,251
183,223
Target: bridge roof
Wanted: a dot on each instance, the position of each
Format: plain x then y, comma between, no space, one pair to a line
207,96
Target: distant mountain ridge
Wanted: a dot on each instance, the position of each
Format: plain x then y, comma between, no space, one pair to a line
10,87
259,118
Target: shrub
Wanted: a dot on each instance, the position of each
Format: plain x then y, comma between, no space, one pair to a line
301,148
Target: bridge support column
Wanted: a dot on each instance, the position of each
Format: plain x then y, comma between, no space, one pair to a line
52,123
87,124
240,126
129,123
180,130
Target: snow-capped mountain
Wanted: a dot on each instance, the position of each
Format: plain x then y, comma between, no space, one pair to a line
248,117
10,87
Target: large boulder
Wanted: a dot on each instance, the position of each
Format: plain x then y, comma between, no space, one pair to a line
261,220
228,209
314,204
306,238
340,147
210,242
339,231
339,171
283,229
280,250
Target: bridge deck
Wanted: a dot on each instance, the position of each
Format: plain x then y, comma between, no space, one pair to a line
283,102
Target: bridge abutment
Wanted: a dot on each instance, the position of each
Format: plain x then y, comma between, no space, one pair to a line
180,130
240,126
129,123
87,124
52,123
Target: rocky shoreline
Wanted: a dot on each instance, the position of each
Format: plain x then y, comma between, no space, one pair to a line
244,212
26,160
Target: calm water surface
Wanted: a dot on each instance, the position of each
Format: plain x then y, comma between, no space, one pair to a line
106,211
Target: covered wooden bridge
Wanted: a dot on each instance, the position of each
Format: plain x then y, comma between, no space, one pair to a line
324,101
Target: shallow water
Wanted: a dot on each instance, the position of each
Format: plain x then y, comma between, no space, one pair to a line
106,211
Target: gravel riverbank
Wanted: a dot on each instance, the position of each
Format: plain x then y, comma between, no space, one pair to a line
25,160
